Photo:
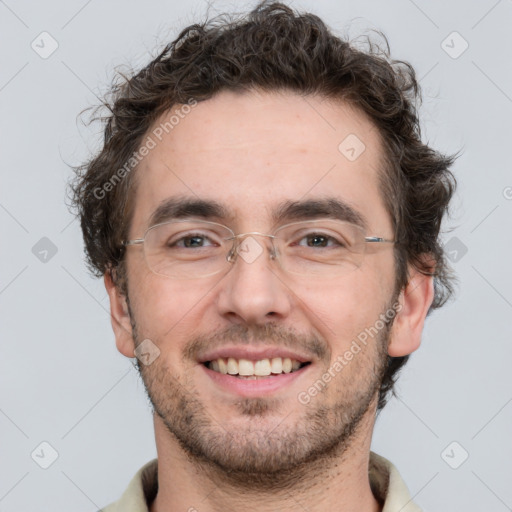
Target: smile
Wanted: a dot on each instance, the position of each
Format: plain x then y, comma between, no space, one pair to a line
247,369
242,378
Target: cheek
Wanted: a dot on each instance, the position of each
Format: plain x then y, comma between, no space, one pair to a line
165,310
341,311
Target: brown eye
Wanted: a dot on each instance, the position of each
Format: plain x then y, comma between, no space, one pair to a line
317,240
190,241
320,240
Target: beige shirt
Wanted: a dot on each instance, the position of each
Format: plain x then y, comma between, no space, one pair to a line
385,481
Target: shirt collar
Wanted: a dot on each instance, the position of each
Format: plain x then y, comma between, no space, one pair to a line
385,481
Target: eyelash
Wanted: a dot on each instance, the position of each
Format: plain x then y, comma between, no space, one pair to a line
303,237
188,236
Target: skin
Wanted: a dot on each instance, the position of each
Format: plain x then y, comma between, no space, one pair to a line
265,453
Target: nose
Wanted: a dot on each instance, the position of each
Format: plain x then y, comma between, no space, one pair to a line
254,290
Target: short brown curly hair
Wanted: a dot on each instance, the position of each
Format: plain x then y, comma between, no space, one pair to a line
274,48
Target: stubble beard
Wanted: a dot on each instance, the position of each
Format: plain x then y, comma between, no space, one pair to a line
266,451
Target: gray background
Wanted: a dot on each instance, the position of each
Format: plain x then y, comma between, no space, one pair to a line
62,380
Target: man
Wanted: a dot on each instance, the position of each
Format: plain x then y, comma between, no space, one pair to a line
266,220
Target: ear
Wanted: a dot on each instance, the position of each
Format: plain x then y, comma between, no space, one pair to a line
415,300
120,318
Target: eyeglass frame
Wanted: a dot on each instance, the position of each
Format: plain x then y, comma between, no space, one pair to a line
236,237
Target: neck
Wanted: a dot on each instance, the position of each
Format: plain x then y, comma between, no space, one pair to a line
336,482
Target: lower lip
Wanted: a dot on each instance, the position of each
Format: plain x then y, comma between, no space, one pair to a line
254,387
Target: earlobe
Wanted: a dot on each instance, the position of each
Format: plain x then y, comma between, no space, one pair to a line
120,318
415,300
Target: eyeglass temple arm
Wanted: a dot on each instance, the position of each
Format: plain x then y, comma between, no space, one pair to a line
133,242
378,239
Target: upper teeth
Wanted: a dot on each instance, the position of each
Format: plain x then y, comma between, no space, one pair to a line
262,367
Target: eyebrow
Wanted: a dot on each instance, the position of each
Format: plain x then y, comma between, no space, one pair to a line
326,207
288,211
183,207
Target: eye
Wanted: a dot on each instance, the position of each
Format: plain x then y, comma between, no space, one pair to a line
319,240
191,241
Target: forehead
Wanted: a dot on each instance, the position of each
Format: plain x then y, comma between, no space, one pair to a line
255,153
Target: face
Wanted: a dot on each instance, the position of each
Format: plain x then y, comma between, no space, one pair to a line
251,153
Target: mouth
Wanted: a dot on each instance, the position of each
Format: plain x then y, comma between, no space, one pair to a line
247,369
256,377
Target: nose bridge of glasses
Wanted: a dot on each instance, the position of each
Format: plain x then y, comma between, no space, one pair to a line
245,245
